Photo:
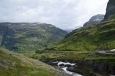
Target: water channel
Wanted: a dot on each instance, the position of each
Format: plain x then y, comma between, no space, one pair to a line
64,66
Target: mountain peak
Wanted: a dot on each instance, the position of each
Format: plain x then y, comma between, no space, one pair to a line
95,19
110,10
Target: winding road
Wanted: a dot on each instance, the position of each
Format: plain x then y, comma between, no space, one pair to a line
104,52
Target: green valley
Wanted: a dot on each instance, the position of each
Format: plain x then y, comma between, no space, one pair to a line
86,51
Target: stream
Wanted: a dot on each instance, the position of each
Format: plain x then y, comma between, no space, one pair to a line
64,66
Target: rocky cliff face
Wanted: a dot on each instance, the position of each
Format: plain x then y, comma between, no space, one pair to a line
99,67
110,10
95,19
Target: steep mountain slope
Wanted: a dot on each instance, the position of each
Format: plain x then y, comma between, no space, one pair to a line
13,64
95,19
22,37
110,10
91,37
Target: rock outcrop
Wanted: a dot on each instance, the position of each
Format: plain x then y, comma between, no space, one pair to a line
110,10
100,67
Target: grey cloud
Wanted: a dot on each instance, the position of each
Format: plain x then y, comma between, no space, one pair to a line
66,14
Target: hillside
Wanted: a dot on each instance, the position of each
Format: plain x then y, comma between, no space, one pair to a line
22,37
13,64
92,37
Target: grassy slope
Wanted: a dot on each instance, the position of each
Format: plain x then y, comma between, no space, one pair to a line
13,64
91,37
84,41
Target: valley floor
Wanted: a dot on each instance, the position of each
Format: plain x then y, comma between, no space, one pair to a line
88,62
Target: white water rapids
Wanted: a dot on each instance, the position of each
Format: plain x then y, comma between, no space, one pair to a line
64,68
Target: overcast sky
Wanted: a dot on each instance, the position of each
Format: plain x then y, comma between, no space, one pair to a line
65,14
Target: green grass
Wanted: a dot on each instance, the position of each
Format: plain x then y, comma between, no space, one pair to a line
13,64
90,38
62,55
72,55
25,71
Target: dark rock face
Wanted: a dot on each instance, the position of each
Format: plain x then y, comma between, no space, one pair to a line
95,19
110,10
96,67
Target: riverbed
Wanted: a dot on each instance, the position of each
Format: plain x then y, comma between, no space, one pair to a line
64,66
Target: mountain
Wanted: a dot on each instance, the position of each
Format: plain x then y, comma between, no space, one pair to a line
92,37
110,10
22,37
95,19
69,30
13,64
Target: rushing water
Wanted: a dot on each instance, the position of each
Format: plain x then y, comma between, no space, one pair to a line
64,67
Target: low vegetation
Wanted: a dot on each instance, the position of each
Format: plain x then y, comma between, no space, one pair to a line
13,64
71,55
89,38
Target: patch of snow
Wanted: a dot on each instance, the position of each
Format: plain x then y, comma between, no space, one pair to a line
97,19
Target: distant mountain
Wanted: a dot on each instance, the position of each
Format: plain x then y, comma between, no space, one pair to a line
69,30
22,37
92,37
95,19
